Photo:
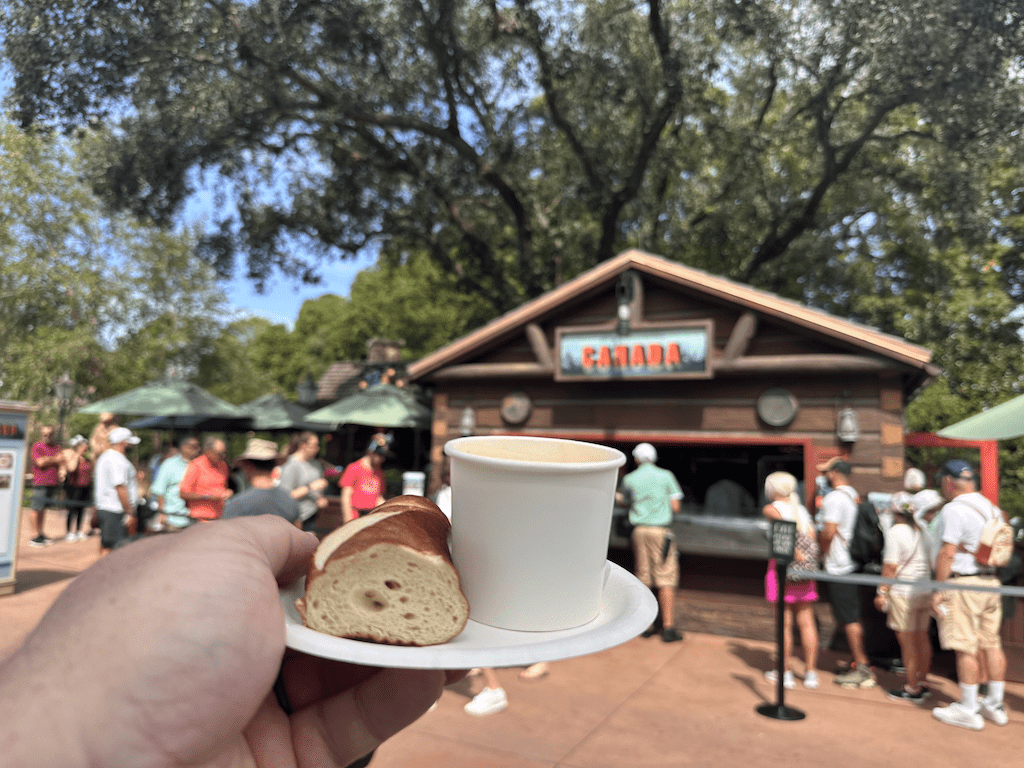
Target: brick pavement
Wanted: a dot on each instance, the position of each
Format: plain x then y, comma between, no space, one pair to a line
644,703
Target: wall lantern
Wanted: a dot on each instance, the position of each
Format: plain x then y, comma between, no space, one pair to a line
467,423
848,426
625,292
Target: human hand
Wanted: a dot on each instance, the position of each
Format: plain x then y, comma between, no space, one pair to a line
184,637
131,524
321,502
227,494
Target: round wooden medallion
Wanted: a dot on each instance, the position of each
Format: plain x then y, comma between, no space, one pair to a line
777,407
516,407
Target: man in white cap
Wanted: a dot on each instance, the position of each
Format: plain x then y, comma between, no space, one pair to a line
117,490
654,495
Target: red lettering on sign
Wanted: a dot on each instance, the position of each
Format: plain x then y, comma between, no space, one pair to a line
655,354
587,359
621,356
637,358
604,357
673,356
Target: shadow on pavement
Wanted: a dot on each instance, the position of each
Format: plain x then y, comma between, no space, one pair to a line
30,579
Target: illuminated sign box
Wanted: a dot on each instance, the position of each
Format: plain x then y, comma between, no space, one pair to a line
648,352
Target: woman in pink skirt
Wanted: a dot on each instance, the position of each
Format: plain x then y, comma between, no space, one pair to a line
800,596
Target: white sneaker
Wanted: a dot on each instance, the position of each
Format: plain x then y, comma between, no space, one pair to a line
994,712
490,701
957,714
788,681
811,679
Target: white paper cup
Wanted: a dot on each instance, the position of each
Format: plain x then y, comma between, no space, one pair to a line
530,524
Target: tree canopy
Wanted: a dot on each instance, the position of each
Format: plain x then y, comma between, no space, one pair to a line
519,143
108,299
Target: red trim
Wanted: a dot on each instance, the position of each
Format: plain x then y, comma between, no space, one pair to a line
988,454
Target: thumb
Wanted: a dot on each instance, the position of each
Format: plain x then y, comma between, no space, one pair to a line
287,549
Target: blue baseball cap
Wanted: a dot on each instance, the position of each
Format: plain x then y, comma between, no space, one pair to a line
958,469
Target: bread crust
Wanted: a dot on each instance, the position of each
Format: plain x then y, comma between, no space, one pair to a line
415,525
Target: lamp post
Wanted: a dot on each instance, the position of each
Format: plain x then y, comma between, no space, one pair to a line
307,391
783,545
64,388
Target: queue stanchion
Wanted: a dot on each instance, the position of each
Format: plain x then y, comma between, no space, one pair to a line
783,545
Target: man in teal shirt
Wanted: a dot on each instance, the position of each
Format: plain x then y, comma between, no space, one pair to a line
173,511
654,495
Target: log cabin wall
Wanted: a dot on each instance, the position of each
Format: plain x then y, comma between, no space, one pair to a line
751,350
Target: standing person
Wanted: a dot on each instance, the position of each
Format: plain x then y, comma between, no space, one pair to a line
839,512
204,486
799,596
302,476
172,508
968,620
46,464
99,439
362,482
906,557
264,496
77,485
656,496
117,490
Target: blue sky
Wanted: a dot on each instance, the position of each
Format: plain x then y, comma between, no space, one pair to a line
284,298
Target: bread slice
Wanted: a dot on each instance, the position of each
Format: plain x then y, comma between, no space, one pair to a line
387,577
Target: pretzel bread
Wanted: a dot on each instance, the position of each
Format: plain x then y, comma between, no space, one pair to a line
387,577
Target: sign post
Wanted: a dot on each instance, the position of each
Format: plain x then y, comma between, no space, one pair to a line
13,430
783,545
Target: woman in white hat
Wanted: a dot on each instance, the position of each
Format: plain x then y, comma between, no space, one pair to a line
799,596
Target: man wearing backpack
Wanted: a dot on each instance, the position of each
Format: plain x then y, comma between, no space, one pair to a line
969,620
839,513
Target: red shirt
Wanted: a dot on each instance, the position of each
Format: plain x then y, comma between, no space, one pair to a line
205,479
46,475
366,482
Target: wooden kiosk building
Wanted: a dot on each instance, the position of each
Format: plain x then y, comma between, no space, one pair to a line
727,381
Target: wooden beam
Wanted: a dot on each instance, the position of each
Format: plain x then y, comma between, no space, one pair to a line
495,370
742,333
801,363
539,345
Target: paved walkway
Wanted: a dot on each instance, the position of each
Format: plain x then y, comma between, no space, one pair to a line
644,703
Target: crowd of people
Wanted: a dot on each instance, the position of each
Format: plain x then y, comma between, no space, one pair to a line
107,494
933,535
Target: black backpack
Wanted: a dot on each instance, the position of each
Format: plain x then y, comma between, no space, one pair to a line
867,540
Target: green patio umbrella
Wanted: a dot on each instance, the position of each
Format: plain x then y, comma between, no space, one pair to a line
271,413
178,402
1000,422
382,405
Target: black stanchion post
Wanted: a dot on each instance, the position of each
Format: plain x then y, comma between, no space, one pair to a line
783,545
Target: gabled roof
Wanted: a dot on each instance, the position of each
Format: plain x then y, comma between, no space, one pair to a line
766,304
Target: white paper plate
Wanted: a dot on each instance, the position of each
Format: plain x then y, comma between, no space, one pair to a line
627,609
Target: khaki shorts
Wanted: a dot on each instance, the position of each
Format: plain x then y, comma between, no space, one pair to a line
909,613
651,569
974,617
